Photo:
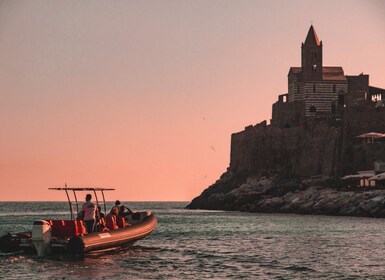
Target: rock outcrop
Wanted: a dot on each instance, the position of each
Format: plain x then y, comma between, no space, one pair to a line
274,195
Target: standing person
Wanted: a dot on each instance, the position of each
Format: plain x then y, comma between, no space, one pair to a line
89,209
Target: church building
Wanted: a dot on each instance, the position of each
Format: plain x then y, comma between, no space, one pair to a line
315,90
314,83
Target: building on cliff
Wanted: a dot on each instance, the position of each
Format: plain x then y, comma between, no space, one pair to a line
314,125
317,90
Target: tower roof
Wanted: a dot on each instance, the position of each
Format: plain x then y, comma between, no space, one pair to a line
312,38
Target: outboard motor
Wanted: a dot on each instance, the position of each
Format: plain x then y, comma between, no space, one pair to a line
41,237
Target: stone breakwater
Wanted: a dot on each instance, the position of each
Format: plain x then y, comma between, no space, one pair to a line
306,197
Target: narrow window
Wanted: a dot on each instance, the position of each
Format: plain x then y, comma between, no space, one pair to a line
334,88
314,88
298,89
333,107
341,99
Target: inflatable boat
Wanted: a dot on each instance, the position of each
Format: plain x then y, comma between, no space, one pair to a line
70,236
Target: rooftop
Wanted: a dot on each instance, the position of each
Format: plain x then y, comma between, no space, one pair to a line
312,38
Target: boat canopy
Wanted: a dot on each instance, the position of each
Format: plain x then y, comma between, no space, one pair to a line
74,201
82,189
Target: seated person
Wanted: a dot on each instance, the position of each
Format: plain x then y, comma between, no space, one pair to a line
114,212
100,220
124,211
116,206
101,214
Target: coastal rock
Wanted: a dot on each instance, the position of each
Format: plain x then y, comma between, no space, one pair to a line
268,195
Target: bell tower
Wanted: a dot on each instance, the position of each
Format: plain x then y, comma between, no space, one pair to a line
312,57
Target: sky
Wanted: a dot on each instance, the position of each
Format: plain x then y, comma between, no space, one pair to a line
143,96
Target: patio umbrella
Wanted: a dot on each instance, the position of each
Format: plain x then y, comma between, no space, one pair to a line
371,135
378,177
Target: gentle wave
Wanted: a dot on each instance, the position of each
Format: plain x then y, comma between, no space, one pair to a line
42,214
189,244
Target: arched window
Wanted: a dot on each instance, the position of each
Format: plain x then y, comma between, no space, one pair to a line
312,109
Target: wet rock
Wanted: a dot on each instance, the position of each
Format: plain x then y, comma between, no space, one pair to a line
261,194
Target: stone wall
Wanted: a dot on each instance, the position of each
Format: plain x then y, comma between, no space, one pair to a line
304,151
288,114
323,147
357,154
363,119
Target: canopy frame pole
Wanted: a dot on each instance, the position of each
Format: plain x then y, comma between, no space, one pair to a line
76,202
70,204
96,197
104,202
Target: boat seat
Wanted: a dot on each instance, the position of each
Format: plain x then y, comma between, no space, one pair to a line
67,228
111,223
81,228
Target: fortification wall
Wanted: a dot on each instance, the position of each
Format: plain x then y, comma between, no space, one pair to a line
303,150
358,154
363,119
288,114
316,147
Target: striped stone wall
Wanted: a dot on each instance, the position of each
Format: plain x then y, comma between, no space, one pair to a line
321,94
295,92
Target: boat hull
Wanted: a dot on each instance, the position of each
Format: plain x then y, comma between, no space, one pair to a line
145,223
110,239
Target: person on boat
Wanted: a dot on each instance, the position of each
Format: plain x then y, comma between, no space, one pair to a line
116,206
90,212
124,211
101,214
100,220
114,212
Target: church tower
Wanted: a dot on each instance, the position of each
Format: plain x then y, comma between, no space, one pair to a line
315,87
312,57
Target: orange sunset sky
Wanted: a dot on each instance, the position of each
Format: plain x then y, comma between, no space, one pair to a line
143,96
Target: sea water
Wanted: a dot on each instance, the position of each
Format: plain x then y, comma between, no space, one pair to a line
191,244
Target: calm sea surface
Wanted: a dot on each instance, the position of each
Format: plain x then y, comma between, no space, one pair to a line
212,245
